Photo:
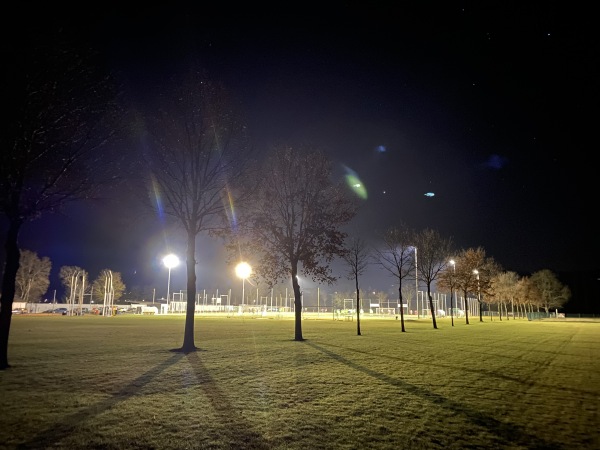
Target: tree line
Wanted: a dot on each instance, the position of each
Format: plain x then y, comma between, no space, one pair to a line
33,279
430,258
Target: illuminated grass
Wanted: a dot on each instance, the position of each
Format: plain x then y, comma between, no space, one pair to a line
94,382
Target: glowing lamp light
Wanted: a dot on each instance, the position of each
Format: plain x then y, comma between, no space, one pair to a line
170,261
243,271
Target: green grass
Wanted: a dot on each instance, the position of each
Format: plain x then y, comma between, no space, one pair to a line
111,383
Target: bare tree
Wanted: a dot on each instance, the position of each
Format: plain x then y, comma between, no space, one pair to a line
447,280
357,259
33,277
504,291
62,113
68,276
527,295
434,252
118,286
198,151
553,294
76,280
485,284
396,257
474,275
293,222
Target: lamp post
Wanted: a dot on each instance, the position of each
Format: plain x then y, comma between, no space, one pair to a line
243,271
476,272
451,290
417,286
170,261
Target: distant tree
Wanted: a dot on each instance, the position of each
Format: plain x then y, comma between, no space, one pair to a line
197,151
77,284
62,114
505,289
520,296
381,296
33,277
357,259
396,256
447,280
475,274
292,223
100,283
527,295
338,298
433,255
552,293
486,275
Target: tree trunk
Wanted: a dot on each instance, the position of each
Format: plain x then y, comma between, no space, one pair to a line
11,267
466,308
401,308
297,305
451,306
357,308
188,336
431,307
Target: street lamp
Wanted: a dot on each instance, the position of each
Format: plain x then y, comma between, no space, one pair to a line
476,272
451,287
417,286
243,271
170,261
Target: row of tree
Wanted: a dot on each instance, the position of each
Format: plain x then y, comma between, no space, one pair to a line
469,272
33,279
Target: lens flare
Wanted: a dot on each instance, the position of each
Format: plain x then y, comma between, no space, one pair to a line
354,183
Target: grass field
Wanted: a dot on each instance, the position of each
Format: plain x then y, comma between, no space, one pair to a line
96,382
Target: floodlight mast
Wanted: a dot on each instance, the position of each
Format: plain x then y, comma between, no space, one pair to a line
170,261
243,271
451,290
417,286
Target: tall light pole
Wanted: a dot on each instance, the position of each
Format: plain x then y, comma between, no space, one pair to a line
170,261
243,271
417,286
451,287
476,272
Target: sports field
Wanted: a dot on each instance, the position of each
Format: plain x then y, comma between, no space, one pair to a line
93,382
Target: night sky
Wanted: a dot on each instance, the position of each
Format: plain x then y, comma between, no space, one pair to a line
488,105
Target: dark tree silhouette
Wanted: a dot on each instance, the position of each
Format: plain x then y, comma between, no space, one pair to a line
434,251
396,256
467,262
33,277
197,152
292,223
357,259
63,112
553,294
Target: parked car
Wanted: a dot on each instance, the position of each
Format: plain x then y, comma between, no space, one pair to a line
63,311
19,311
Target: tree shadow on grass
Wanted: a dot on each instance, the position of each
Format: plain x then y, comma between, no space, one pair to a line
493,373
50,436
510,433
236,430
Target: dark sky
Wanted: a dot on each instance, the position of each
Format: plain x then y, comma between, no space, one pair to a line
489,105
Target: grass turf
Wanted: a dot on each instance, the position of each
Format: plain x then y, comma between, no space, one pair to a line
109,383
